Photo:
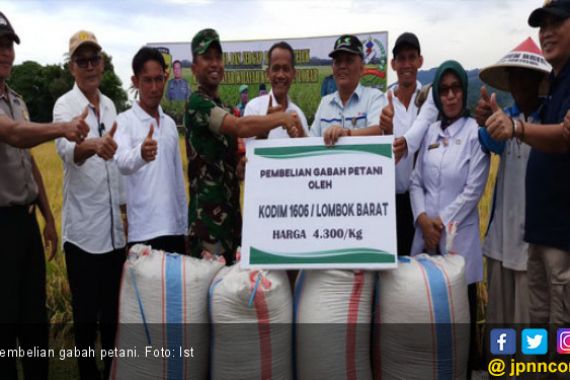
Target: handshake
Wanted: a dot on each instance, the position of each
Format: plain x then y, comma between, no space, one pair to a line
290,120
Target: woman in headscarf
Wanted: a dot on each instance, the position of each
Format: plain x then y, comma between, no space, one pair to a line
449,178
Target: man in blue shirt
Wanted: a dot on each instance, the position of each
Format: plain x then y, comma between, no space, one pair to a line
352,110
547,220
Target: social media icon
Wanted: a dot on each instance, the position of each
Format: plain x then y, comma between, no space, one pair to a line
534,341
563,341
504,341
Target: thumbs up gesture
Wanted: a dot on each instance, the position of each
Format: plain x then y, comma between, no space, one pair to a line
483,108
77,129
106,145
149,147
387,116
500,126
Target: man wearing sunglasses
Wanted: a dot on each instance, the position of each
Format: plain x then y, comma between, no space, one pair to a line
93,234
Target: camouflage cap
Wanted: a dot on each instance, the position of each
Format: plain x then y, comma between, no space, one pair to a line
203,40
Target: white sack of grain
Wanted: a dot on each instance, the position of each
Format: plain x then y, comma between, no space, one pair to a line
333,311
163,312
421,319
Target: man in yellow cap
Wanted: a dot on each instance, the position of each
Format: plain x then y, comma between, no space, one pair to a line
92,229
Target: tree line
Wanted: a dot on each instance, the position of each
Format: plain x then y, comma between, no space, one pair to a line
41,86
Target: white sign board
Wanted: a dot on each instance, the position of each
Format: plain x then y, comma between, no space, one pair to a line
310,206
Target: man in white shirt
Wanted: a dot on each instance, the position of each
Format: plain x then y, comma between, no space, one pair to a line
352,110
281,73
93,236
402,111
149,156
408,143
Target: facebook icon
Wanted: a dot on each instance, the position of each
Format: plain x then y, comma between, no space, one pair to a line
503,341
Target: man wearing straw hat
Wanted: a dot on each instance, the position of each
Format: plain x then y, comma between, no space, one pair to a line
522,72
547,222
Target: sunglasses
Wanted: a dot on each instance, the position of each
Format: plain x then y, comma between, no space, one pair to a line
455,88
84,62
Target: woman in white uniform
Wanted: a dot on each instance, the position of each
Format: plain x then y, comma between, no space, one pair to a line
449,178
450,175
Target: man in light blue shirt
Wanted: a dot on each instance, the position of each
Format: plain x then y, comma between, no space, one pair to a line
352,110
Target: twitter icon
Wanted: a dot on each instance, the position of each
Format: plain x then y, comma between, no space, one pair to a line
534,341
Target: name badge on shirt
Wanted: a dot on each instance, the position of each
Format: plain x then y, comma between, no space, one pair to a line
433,146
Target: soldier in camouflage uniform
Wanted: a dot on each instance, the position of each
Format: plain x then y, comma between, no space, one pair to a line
214,217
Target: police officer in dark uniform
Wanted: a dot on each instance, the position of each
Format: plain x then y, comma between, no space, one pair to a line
23,317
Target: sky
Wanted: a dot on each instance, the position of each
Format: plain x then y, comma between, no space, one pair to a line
476,33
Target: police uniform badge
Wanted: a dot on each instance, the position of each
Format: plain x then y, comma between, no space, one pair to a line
24,109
